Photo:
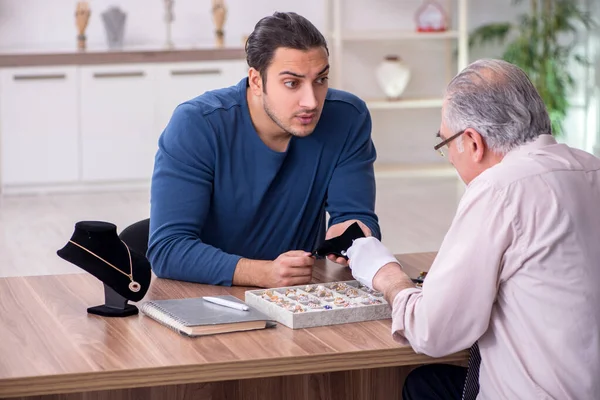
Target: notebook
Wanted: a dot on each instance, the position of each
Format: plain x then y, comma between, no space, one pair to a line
195,317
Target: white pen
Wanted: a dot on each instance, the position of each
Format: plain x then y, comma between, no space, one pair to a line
227,303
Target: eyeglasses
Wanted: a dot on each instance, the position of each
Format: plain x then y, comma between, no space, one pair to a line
445,142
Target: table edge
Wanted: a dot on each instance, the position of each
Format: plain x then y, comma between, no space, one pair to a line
214,372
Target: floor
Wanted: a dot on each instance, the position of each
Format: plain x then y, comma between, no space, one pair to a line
414,216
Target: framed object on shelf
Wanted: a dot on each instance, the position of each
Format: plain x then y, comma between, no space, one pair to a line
431,17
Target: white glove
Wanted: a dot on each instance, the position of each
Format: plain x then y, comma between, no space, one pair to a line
367,256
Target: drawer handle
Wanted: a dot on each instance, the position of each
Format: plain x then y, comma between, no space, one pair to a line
39,77
118,74
196,72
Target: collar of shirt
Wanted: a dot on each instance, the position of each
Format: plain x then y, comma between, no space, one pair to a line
529,147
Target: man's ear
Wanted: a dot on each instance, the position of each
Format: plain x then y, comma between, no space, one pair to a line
475,144
255,81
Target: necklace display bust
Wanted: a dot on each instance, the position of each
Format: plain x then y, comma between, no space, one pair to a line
96,248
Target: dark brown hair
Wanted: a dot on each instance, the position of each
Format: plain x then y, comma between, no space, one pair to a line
282,29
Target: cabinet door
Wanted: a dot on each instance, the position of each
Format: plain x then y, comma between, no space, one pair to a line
39,126
178,83
117,122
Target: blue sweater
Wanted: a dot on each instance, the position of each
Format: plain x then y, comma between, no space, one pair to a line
219,193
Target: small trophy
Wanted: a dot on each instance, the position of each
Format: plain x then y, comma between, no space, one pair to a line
219,11
82,17
169,18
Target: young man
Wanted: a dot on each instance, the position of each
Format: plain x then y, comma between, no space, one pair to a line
244,175
517,277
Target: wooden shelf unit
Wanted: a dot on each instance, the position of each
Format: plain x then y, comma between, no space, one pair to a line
340,36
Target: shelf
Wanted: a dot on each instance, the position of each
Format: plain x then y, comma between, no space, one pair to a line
404,103
396,35
433,170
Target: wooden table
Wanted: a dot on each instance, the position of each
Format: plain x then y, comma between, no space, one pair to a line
49,345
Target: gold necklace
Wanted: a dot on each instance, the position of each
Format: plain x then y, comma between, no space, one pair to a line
133,286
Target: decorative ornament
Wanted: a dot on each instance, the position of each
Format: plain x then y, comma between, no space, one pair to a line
169,18
393,76
82,18
219,11
114,24
431,17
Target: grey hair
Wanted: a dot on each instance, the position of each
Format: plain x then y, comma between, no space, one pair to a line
497,99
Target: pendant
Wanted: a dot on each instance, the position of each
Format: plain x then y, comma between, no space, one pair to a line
134,286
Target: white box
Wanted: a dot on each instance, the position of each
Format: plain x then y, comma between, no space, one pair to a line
323,304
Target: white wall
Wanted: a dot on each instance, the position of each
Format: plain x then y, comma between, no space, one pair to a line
401,136
406,136
50,24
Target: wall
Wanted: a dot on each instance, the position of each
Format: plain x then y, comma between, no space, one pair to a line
404,136
407,136
50,24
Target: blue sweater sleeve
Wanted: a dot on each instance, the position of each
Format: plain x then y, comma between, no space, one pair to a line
180,199
351,192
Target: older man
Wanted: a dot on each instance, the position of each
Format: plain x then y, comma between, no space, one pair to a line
517,277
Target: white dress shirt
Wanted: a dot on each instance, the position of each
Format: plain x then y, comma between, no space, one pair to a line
519,271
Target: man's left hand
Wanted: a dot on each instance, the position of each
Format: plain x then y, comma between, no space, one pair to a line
337,230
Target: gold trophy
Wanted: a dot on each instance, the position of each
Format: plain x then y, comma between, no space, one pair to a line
82,17
219,12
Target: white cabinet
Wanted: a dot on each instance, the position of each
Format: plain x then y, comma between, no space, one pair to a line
180,82
99,125
39,126
117,122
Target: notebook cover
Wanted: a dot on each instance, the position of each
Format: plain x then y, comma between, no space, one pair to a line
196,312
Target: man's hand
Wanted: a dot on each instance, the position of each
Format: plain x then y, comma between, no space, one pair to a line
367,256
337,230
289,269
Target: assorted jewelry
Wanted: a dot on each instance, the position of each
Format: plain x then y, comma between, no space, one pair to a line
370,291
314,304
309,288
339,287
133,285
317,297
304,299
298,308
326,294
340,301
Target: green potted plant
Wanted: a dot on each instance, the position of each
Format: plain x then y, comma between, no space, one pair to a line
542,42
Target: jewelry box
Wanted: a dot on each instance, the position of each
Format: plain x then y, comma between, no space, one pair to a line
320,304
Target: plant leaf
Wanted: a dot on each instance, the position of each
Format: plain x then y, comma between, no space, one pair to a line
489,33
544,48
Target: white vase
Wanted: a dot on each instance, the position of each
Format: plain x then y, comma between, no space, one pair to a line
393,76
